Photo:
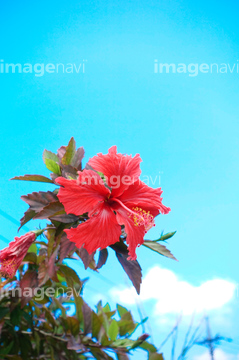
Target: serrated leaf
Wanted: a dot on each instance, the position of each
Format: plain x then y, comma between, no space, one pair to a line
62,217
50,156
85,257
53,166
50,210
28,215
38,200
161,249
76,161
69,153
38,178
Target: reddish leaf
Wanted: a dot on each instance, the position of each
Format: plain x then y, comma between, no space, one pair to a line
85,257
29,280
61,152
69,172
38,178
49,210
38,200
28,215
61,216
51,266
87,318
74,344
66,247
132,269
160,249
102,258
76,162
43,275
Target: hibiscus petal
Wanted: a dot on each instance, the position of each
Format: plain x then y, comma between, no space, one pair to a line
141,195
99,231
135,234
82,195
120,170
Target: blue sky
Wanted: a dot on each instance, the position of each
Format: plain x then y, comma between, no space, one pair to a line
185,127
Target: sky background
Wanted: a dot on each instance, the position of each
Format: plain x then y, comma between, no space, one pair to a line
184,127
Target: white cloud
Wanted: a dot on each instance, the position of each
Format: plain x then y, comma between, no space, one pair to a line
173,295
218,355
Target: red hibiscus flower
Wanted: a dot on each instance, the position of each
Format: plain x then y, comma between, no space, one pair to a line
119,200
12,256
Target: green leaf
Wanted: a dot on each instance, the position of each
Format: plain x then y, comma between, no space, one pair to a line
121,310
32,249
156,356
51,161
30,257
106,308
96,323
53,166
6,349
166,236
160,249
38,178
126,324
70,152
16,316
113,330
70,273
148,347
3,311
124,343
79,305
73,325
